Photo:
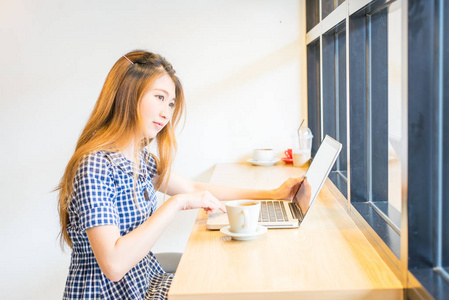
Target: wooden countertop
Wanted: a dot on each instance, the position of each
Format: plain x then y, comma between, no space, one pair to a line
328,257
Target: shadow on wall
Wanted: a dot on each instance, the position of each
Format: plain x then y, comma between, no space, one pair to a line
283,56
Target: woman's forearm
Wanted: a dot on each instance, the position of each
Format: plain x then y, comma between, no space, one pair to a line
116,254
231,193
179,185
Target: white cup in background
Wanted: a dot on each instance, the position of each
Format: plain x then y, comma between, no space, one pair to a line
300,157
263,154
243,215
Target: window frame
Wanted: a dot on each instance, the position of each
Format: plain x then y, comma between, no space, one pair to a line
428,239
356,186
418,252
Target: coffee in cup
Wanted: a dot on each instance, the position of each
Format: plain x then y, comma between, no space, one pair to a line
243,215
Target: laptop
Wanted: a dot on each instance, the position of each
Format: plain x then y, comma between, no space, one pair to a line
285,213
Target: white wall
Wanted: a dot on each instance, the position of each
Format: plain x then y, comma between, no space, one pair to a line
242,65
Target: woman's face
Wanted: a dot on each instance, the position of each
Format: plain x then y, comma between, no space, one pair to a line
157,105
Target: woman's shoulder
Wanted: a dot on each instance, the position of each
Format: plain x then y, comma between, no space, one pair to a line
97,157
95,171
95,162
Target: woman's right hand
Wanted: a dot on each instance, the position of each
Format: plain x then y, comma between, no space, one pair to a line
202,199
302,198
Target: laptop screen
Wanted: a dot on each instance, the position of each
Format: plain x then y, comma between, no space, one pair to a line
316,176
319,169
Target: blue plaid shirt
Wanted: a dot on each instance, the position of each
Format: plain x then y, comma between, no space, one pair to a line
103,194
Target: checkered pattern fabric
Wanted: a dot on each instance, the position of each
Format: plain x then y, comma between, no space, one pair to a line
103,194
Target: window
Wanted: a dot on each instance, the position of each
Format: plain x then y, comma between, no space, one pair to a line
428,145
374,162
313,90
327,6
378,81
312,9
368,114
334,99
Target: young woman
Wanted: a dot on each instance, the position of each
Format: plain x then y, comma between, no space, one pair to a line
107,199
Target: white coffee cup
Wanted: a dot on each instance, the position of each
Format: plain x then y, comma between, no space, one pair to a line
300,157
243,215
263,154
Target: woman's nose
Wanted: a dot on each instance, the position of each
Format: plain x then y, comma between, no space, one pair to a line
165,111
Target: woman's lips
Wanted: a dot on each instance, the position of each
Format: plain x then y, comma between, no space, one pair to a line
158,125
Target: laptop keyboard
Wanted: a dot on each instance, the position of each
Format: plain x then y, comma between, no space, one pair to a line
295,211
272,211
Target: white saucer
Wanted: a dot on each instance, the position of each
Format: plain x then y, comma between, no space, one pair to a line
263,163
244,236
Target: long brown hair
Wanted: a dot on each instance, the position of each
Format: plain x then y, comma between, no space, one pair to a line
115,121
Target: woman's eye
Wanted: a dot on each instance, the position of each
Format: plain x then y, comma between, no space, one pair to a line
172,104
160,97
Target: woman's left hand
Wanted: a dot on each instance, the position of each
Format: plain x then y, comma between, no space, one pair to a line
288,189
